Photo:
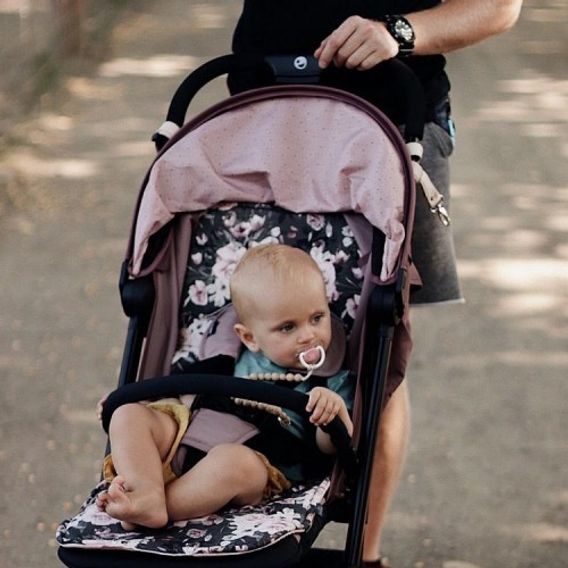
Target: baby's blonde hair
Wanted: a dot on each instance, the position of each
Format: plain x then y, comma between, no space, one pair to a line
283,263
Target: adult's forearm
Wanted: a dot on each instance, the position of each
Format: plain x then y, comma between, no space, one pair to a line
458,23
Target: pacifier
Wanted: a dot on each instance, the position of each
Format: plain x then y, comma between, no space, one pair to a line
312,359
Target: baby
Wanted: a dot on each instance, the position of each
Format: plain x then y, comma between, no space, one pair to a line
284,323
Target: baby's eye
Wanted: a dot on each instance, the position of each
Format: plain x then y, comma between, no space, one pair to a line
287,327
317,318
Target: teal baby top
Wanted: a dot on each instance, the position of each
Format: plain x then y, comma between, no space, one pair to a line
341,383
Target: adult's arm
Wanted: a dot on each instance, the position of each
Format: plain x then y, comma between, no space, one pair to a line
453,24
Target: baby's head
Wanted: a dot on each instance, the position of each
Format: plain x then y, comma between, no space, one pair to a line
279,295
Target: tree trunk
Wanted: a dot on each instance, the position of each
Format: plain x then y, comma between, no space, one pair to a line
70,17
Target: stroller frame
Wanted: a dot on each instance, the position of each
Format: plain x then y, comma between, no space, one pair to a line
386,306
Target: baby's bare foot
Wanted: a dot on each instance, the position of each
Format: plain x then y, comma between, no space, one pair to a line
133,507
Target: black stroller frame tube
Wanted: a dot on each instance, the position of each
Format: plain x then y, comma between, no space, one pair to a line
132,352
137,298
382,318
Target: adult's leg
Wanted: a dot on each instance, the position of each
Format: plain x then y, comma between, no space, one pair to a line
229,473
389,457
433,253
141,438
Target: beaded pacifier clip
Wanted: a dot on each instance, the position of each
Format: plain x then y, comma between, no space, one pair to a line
283,418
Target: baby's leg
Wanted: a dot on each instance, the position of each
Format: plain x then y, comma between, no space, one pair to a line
140,438
229,473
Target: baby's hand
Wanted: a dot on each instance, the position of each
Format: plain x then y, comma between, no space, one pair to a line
324,404
100,405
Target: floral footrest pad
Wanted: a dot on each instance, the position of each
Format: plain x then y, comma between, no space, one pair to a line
233,531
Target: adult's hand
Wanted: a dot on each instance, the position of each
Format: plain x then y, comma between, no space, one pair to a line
357,43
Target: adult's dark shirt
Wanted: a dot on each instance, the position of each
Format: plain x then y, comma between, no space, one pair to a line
298,27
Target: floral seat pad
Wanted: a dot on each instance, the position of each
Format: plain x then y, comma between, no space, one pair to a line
222,236
235,531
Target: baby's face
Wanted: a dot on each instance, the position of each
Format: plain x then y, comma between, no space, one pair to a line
289,320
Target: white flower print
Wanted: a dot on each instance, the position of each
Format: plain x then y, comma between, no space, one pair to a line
230,219
357,273
257,222
268,241
191,338
316,222
325,260
219,292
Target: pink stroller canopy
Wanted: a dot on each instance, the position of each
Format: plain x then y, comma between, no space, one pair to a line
303,153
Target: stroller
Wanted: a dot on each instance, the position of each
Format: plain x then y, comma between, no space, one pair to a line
310,166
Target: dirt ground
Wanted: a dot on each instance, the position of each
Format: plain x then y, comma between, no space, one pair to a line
485,484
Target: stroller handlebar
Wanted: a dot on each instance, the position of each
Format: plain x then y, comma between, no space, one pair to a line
294,69
222,385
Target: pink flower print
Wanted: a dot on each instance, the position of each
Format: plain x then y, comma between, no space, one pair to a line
197,258
230,219
351,306
243,229
240,230
227,260
198,293
201,239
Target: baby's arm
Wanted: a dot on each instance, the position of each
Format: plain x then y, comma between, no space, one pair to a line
325,405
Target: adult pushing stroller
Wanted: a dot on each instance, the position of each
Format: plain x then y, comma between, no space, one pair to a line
310,166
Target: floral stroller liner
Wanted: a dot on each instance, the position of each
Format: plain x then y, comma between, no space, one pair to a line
297,150
232,531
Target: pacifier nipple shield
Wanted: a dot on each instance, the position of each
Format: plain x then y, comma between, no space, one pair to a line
311,367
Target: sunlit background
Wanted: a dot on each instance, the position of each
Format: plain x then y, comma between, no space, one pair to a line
83,86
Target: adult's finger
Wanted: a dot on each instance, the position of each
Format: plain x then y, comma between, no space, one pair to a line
333,43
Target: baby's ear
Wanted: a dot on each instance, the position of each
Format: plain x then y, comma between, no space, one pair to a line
246,336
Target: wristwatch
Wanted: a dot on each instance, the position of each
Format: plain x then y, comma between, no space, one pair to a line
401,30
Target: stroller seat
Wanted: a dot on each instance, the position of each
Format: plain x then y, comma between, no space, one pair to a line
219,238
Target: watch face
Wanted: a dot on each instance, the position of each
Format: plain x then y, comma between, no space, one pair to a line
404,31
